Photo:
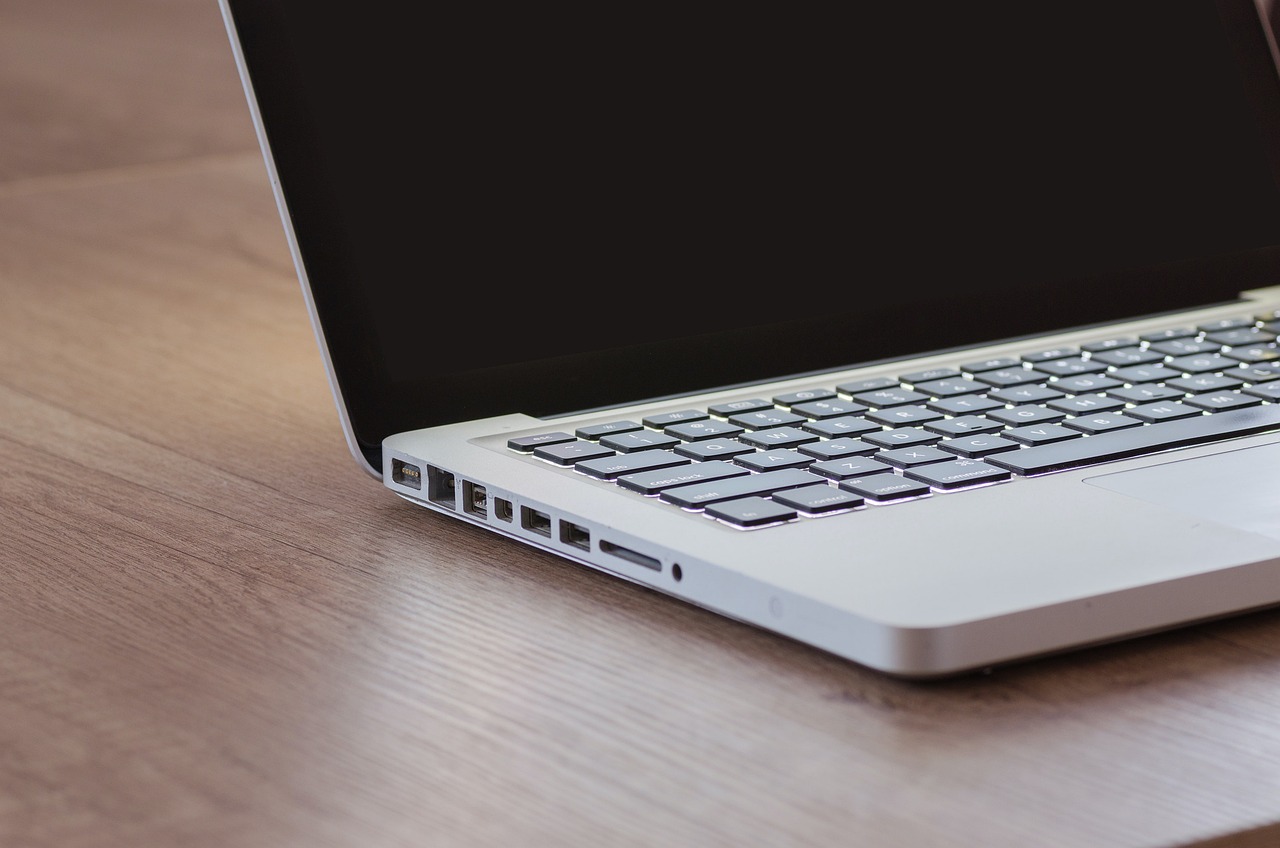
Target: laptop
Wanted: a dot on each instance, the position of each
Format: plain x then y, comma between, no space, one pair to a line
936,338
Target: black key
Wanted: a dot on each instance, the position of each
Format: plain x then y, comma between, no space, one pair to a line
734,407
778,437
1145,393
1041,434
775,459
1104,423
1022,415
967,425
909,457
964,405
975,447
1161,411
958,474
1266,391
1109,344
1145,374
994,364
950,387
1086,404
850,467
883,488
638,441
653,482
1243,337
752,512
1256,353
713,449
834,428
817,500
1071,367
1218,401
1127,356
526,444
1026,394
1185,347
1261,372
593,432
903,437
1165,335
792,398
1225,324
828,408
901,416
837,448
663,419
701,494
1201,363
613,467
1052,353
709,428
1204,383
885,398
869,384
1086,384
766,418
568,453
1012,377
1137,441
928,376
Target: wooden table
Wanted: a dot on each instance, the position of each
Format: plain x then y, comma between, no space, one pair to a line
215,630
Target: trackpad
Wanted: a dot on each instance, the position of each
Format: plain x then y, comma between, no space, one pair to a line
1239,488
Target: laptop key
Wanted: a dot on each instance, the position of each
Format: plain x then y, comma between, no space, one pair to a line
837,448
699,495
900,416
713,449
958,474
818,409
885,488
850,467
1041,434
974,447
1104,423
639,441
654,482
1266,391
569,453
908,457
613,467
664,419
593,432
778,437
751,512
990,364
696,431
774,459
965,425
818,500
763,419
850,425
902,437
1145,393
1218,401
1136,441
526,444
734,407
792,398
1170,411
964,405
1020,415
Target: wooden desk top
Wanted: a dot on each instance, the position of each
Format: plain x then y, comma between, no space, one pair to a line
215,630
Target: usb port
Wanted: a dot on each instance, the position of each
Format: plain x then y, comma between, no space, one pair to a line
406,474
575,536
535,521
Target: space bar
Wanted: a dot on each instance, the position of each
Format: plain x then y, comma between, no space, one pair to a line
1122,444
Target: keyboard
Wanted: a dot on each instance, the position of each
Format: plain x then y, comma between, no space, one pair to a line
822,451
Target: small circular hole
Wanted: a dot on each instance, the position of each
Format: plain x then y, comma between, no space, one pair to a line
677,572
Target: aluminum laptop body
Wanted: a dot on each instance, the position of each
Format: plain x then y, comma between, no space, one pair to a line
523,235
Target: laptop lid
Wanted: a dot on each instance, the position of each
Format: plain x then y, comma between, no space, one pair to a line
552,211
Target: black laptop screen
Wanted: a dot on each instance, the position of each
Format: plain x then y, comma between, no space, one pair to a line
545,211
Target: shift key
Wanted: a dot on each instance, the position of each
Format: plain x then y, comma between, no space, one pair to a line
701,494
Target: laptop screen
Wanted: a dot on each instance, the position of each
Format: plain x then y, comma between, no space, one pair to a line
549,211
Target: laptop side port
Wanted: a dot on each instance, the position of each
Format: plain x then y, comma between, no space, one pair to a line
502,509
475,499
535,521
406,474
630,555
575,536
441,487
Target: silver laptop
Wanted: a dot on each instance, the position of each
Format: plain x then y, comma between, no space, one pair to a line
933,337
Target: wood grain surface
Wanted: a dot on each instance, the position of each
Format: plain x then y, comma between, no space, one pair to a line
215,630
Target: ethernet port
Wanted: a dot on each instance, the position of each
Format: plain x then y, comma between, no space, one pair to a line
441,487
575,536
535,521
